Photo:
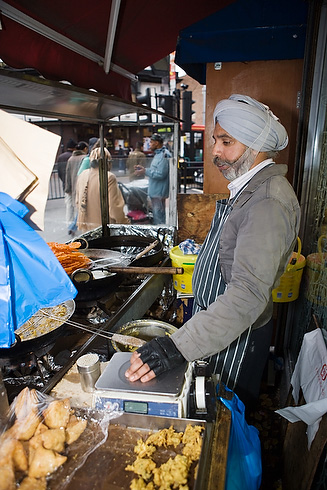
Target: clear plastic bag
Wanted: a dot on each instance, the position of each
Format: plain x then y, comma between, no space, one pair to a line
45,441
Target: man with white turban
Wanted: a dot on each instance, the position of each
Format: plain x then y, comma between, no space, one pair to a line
247,248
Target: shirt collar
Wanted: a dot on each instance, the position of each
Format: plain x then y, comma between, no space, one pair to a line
242,180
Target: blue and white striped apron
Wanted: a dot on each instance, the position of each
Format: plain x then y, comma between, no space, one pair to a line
208,284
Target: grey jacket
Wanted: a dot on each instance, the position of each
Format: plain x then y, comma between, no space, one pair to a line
256,243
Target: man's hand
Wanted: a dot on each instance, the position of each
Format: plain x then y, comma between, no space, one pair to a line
139,170
153,358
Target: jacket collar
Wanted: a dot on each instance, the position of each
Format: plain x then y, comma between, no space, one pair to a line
260,178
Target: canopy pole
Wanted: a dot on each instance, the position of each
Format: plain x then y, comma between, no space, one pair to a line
173,179
103,182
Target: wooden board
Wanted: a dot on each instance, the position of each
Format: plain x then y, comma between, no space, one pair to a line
195,212
300,464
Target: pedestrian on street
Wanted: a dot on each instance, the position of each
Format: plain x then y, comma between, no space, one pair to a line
63,159
88,202
73,165
247,249
158,174
136,158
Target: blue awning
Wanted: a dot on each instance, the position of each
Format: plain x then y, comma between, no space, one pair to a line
246,30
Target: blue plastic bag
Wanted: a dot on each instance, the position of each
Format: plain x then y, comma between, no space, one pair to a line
244,466
31,277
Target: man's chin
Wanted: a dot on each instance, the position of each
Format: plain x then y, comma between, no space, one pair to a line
228,174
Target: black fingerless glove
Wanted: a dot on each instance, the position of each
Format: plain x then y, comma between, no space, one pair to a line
161,355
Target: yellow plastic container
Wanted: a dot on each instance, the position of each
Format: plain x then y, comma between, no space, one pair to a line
289,286
316,275
183,282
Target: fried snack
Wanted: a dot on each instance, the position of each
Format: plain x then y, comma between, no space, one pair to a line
24,429
68,256
7,477
140,484
192,441
144,450
25,401
45,462
173,473
165,437
49,439
7,447
33,484
57,414
143,467
75,428
19,457
41,428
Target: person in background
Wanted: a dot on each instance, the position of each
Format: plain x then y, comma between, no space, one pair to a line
121,161
86,161
158,174
136,158
247,248
88,195
73,165
63,159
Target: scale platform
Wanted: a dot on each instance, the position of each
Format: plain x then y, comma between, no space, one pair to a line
165,395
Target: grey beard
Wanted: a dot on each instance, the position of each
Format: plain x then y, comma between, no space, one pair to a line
239,166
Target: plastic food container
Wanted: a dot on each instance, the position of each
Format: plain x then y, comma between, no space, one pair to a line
183,282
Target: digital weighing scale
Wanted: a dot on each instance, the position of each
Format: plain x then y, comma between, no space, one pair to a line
165,395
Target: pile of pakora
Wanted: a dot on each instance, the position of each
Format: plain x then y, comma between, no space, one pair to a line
32,448
174,473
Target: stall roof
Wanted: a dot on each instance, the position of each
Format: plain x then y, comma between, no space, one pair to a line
245,30
99,45
26,94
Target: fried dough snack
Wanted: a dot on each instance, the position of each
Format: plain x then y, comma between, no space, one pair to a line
7,477
75,428
68,256
143,467
50,439
25,401
57,414
140,484
45,462
23,429
175,472
33,484
32,445
172,473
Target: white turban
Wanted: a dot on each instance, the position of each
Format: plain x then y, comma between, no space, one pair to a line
251,123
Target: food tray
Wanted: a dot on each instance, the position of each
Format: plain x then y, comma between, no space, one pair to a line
105,467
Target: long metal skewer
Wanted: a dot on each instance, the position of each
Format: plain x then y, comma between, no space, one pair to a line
122,339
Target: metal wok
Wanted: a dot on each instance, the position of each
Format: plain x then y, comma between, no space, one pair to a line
41,342
106,283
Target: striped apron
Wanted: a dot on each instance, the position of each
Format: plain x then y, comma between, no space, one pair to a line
207,285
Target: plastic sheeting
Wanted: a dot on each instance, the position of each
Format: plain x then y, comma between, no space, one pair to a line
31,277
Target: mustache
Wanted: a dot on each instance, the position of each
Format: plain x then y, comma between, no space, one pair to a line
219,161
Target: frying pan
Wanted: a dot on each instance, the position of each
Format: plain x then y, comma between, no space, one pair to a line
40,343
106,282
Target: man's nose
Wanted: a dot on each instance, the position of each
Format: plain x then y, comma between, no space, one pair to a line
217,149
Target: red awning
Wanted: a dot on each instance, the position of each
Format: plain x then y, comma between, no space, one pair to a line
70,40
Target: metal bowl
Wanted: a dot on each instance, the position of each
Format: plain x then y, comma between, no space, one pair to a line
146,329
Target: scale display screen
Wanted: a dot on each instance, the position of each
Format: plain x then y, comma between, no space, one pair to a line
135,407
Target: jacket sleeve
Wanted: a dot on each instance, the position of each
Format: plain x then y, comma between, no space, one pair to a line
68,182
266,234
158,170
